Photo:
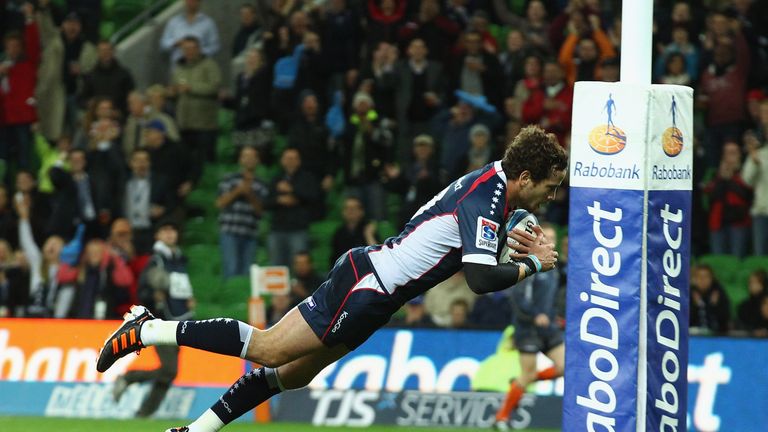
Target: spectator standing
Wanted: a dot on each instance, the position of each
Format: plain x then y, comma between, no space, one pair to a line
710,307
354,231
581,55
755,174
44,301
240,203
292,194
452,128
419,91
190,23
364,150
74,199
378,77
310,136
729,202
169,160
66,58
108,79
722,91
147,198
196,85
512,60
341,35
253,90
140,114
478,72
417,181
18,77
166,288
39,203
249,32
315,71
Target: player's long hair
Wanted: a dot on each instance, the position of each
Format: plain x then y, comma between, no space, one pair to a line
536,151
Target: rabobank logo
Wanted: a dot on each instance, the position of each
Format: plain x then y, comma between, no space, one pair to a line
672,138
608,139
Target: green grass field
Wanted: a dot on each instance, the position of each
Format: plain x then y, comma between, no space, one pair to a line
38,424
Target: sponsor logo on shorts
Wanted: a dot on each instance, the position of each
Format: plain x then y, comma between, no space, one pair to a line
338,323
486,234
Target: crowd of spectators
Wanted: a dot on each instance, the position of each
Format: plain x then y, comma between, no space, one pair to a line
373,98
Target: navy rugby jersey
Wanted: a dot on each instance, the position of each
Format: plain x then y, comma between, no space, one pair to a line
462,224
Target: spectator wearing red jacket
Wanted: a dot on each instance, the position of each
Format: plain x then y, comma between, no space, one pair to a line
581,56
384,18
18,77
730,199
550,104
102,282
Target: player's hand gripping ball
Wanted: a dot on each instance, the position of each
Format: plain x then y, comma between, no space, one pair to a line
523,220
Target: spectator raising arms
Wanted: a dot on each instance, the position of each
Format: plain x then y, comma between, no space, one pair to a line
43,269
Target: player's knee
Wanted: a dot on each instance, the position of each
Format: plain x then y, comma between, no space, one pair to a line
270,358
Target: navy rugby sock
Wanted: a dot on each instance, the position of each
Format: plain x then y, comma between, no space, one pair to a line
219,335
246,393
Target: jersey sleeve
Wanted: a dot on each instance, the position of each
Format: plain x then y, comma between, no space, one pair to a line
481,221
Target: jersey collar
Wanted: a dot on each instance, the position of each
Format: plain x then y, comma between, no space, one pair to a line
500,172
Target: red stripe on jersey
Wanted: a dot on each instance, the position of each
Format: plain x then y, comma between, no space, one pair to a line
357,279
482,179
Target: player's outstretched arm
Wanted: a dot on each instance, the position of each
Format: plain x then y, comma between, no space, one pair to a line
483,279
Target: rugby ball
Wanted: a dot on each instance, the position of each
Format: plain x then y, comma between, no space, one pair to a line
522,220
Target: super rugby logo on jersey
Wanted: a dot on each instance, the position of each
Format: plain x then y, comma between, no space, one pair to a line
487,237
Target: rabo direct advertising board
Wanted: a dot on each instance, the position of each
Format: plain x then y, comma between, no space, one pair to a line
414,377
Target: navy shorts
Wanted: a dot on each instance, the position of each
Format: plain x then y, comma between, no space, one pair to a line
350,305
532,339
